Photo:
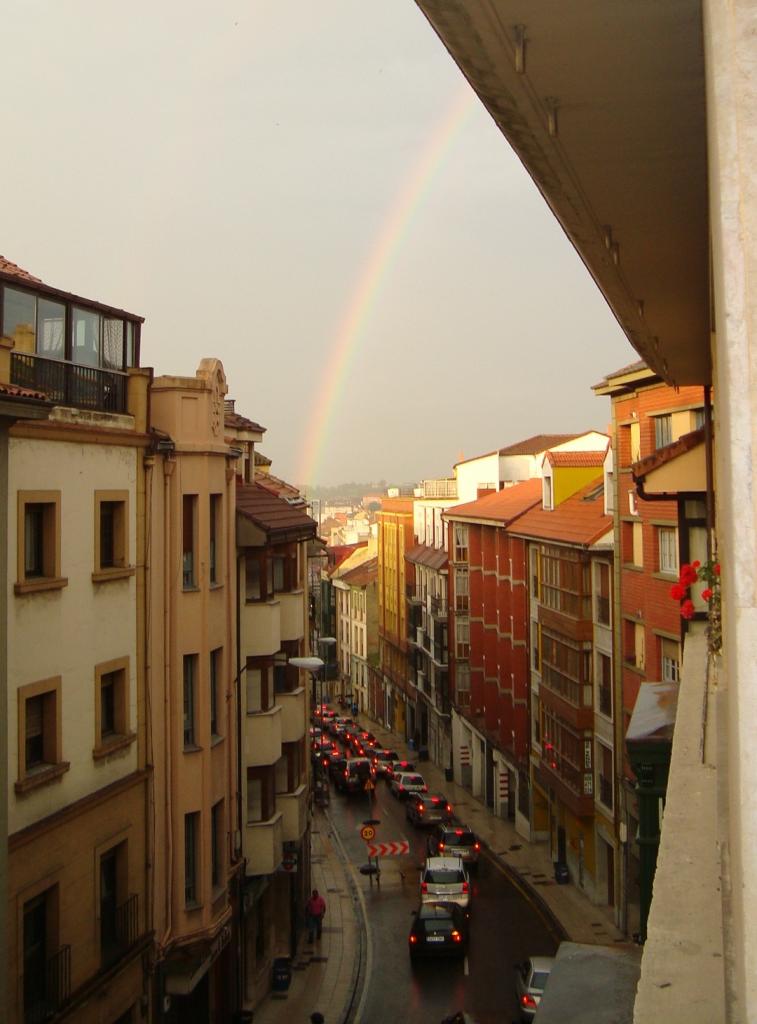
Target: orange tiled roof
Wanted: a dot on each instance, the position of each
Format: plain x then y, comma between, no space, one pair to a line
432,558
502,506
338,552
576,459
16,391
279,487
579,520
13,270
537,443
667,454
273,514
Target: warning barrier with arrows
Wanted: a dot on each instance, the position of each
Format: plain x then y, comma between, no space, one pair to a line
394,849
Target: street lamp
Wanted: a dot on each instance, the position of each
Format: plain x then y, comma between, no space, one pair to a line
313,665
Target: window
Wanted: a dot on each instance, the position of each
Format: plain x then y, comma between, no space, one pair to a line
261,794
670,666
633,544
39,732
604,764
461,589
602,593
216,844
609,492
191,834
46,968
635,441
667,546
112,725
604,683
253,577
535,651
35,324
663,430
215,538
190,675
38,541
111,534
462,677
461,542
188,540
114,931
462,638
215,669
634,644
547,497
698,419
259,686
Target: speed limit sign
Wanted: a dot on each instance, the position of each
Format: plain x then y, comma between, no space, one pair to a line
368,832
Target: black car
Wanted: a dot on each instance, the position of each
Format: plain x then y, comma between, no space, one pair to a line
383,760
336,767
428,809
438,929
455,841
357,772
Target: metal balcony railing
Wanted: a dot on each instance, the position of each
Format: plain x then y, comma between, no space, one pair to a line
119,929
46,991
439,607
84,387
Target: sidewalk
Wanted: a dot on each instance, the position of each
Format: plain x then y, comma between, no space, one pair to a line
325,975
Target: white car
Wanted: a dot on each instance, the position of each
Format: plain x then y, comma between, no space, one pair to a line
445,880
530,981
407,782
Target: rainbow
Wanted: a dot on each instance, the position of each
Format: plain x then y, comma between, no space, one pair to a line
363,296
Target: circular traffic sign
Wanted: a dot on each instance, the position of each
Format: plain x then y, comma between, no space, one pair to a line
368,832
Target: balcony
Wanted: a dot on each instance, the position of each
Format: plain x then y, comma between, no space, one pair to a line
261,628
83,387
263,844
439,608
119,930
411,595
570,785
294,810
292,625
262,737
293,714
46,991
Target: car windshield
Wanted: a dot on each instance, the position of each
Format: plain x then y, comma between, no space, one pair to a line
539,980
438,924
442,876
412,780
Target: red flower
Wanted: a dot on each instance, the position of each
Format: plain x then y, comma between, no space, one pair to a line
687,610
706,594
688,575
695,565
716,568
677,591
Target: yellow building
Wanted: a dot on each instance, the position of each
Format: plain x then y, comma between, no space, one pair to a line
395,536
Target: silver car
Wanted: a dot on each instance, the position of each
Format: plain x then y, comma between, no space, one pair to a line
445,880
531,978
404,783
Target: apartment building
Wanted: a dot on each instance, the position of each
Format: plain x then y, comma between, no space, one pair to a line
395,537
78,921
191,595
569,550
654,537
273,531
488,629
357,629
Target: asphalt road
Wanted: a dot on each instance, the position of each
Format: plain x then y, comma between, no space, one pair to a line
505,928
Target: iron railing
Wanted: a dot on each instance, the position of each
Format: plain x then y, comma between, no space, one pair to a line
119,930
47,990
84,387
439,607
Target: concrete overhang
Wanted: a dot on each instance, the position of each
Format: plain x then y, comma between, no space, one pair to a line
604,103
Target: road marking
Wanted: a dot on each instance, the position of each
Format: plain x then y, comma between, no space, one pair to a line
466,972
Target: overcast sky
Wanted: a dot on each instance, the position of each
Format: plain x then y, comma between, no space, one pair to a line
226,170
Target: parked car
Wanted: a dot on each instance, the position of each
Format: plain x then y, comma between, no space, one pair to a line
455,841
382,759
356,773
531,978
438,929
428,808
404,783
444,879
396,767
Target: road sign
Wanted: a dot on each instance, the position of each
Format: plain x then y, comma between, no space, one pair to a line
369,785
368,832
395,849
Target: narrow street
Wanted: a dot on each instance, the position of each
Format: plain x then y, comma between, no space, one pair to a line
504,928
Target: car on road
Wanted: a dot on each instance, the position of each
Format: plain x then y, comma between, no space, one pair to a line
455,841
404,783
382,759
336,767
428,809
531,978
357,772
445,880
401,765
438,929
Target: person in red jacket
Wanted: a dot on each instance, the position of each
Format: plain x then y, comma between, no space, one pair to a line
315,911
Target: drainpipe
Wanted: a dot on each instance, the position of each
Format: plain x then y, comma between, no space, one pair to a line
169,465
242,873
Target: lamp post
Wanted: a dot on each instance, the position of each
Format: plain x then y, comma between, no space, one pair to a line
313,665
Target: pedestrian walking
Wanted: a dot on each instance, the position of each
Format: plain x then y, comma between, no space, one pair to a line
315,911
